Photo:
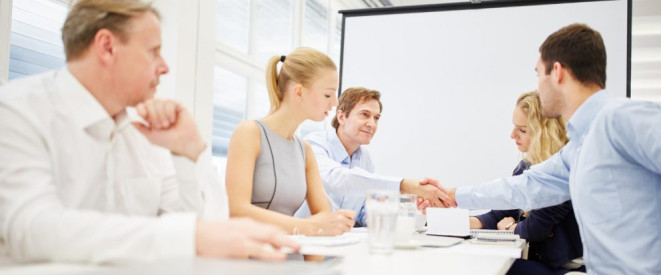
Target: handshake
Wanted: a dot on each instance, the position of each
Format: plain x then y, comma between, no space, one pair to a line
430,193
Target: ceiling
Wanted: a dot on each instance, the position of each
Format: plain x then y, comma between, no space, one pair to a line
645,41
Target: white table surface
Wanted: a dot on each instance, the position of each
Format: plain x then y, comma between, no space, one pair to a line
463,258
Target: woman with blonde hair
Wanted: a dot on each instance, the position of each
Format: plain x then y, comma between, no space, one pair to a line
552,231
271,171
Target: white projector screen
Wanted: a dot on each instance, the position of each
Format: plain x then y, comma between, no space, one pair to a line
450,75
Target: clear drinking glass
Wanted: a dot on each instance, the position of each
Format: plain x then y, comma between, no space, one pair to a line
406,218
382,207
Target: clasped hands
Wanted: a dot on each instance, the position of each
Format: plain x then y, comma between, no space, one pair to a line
430,193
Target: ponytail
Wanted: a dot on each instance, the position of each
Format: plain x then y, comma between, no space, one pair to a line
275,95
300,66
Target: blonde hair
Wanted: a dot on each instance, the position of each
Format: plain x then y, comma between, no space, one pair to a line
87,17
352,96
300,66
547,135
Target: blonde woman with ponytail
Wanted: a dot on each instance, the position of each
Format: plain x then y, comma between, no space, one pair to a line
271,171
552,231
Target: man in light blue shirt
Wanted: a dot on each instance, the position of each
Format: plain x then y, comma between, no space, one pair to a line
345,165
610,169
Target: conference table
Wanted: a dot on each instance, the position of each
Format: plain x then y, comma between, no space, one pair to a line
464,257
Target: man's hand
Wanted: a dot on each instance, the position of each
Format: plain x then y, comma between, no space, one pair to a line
170,126
453,199
422,205
429,189
242,238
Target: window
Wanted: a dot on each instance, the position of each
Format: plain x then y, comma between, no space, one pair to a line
36,43
337,43
262,103
233,24
229,103
249,32
274,29
315,25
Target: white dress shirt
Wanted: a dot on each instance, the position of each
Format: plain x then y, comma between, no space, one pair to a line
76,185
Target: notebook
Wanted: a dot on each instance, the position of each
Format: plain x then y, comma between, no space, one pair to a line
474,232
436,241
494,234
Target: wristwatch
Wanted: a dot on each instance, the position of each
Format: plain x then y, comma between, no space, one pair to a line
509,225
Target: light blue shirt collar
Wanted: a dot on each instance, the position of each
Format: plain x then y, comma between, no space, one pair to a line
338,152
580,122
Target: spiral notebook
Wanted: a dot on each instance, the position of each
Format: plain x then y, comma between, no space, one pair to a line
494,234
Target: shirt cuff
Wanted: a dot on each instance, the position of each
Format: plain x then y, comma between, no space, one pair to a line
175,237
398,181
463,196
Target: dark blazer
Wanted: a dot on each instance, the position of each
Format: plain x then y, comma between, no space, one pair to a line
552,231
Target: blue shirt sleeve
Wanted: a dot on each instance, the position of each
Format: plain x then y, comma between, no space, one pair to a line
635,131
544,184
490,219
341,180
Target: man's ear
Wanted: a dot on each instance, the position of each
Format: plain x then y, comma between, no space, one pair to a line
340,116
559,72
104,46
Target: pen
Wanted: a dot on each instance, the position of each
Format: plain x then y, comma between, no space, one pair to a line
333,205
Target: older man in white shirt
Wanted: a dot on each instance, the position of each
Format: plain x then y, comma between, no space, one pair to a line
79,181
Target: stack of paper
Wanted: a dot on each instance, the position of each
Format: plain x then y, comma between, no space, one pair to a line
325,241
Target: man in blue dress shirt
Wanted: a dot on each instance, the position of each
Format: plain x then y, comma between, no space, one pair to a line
610,169
346,167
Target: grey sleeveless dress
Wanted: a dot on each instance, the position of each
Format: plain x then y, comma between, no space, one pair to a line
279,178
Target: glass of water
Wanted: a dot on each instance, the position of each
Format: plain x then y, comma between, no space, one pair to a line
382,207
408,205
